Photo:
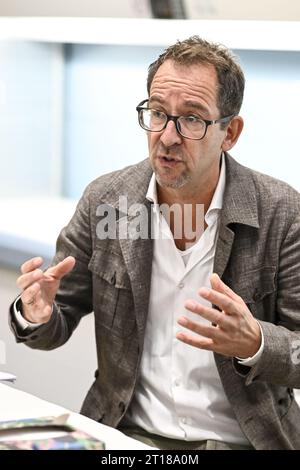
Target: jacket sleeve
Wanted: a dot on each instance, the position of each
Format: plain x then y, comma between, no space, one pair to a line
74,297
280,360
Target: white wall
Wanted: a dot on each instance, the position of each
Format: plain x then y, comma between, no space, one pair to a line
270,140
31,103
105,83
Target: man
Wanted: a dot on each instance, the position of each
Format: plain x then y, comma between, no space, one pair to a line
196,333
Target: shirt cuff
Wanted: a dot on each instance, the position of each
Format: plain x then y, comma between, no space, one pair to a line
20,320
251,361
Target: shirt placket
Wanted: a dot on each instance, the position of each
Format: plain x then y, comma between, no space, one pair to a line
183,292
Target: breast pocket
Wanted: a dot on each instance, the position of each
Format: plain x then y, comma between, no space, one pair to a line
258,290
112,294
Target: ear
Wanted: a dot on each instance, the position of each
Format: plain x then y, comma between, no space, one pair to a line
233,132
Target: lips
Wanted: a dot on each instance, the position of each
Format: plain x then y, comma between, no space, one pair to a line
168,159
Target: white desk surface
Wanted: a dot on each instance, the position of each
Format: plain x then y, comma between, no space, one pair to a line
15,404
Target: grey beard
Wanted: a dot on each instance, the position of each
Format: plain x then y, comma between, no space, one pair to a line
177,184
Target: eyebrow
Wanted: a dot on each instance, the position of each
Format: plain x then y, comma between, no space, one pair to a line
156,98
188,103
194,104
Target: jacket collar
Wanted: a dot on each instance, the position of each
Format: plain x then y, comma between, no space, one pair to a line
240,201
239,207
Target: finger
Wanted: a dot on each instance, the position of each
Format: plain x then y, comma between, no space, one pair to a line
196,341
204,330
31,264
220,286
222,301
29,296
210,314
26,280
62,268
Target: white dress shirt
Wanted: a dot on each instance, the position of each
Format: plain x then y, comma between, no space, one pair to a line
179,392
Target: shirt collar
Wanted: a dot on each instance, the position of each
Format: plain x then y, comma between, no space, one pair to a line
152,190
217,200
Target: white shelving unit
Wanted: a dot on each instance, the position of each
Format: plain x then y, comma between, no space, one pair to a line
236,34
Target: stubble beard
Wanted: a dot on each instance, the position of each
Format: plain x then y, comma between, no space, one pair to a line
165,182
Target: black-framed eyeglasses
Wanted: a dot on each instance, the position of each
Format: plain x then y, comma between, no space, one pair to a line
189,126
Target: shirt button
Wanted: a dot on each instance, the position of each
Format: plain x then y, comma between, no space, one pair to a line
181,285
183,420
177,382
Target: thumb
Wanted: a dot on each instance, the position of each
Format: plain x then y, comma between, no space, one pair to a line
61,269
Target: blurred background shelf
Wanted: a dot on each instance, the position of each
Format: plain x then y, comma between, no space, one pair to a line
236,34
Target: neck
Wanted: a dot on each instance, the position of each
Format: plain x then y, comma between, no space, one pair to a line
203,194
191,203
184,211
196,191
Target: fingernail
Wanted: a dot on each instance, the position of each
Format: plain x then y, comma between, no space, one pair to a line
180,335
182,321
190,304
204,292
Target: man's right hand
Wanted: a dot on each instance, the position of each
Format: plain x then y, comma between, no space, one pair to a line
39,288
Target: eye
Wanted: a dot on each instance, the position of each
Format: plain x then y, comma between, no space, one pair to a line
156,114
192,119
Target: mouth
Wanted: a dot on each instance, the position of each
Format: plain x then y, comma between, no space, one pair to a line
169,161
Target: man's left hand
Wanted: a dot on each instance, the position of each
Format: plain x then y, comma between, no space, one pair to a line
233,332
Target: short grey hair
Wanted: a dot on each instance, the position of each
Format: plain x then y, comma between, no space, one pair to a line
194,50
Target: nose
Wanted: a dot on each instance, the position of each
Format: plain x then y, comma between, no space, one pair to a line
170,136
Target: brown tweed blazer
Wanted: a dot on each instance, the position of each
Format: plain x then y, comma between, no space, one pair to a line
257,255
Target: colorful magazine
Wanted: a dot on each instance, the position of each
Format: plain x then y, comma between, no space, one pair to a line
47,433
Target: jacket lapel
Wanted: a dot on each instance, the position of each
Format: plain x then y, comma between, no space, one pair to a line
239,207
223,249
137,252
138,259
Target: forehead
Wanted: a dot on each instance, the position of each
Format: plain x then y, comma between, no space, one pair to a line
197,81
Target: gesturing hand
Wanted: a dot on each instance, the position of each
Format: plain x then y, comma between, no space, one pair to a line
39,288
234,330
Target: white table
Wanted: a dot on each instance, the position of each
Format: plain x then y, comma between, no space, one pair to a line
15,404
